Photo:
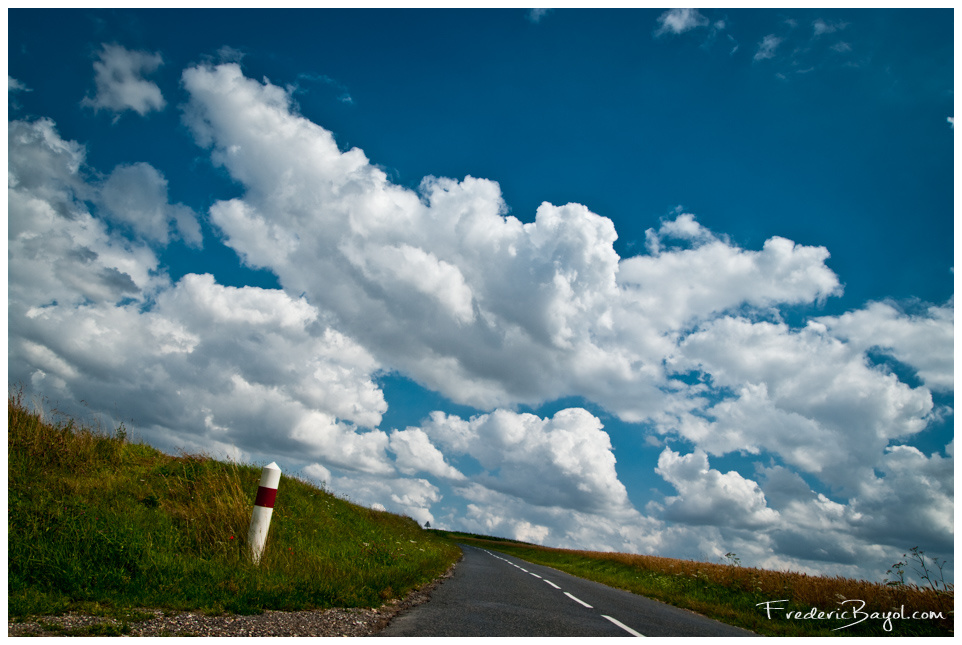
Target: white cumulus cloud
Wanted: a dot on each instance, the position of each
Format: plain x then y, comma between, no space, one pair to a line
197,364
415,453
832,416
58,251
444,286
564,461
708,496
924,341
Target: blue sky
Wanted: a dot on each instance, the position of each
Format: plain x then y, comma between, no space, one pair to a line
673,282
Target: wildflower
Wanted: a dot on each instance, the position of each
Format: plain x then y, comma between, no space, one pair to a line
231,537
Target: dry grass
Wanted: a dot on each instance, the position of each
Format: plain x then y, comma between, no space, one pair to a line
800,588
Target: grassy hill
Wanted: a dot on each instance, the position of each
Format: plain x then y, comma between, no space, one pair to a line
98,523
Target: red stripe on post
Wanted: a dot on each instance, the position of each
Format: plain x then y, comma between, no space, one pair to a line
265,497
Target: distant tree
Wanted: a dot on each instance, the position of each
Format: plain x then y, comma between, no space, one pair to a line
427,525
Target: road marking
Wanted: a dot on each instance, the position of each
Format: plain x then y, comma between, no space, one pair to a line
623,626
579,600
576,599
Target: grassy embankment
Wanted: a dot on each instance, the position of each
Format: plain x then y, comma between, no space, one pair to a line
731,593
103,525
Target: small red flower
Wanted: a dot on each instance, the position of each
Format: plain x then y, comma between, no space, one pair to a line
231,537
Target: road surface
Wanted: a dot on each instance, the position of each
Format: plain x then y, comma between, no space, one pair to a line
492,594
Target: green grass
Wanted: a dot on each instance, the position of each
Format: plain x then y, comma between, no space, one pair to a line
731,593
103,525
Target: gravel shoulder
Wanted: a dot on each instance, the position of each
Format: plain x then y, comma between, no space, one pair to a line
320,622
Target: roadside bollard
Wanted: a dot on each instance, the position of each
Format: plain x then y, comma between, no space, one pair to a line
263,509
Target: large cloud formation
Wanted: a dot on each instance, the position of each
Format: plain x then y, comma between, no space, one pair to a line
443,286
440,284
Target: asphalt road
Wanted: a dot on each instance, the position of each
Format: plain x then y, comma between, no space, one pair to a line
491,594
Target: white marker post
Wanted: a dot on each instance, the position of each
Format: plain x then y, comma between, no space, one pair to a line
263,509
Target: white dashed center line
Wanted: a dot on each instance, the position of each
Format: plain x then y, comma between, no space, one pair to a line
576,599
623,626
579,600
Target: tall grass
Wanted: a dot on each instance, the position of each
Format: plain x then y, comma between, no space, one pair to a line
732,593
99,523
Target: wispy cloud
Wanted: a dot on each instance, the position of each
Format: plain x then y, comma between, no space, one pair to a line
120,82
678,21
537,15
766,48
13,85
343,94
791,50
228,54
13,88
733,44
821,27
797,52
